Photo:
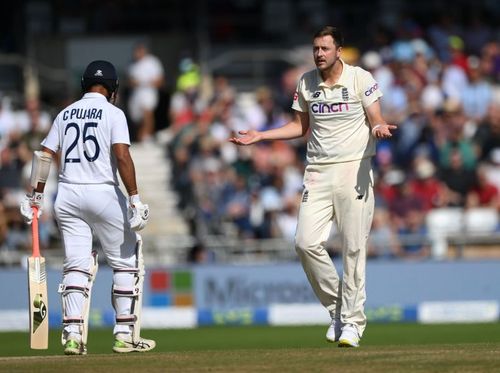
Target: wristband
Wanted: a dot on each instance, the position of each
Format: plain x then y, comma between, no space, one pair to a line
134,199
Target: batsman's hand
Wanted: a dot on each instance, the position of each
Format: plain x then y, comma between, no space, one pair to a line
27,204
138,213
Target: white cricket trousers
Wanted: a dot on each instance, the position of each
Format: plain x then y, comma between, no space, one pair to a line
344,192
101,209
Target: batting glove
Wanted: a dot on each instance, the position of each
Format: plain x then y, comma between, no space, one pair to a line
138,213
27,204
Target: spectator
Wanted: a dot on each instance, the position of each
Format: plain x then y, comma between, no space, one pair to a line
199,254
413,235
4,229
33,118
487,136
454,120
477,94
484,193
454,75
403,203
383,242
425,185
7,121
186,102
286,219
145,78
458,179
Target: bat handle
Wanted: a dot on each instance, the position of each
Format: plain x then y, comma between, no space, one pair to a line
34,232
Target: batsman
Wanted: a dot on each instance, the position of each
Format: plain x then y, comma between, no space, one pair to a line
91,139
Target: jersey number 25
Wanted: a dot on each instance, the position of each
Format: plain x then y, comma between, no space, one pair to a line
86,137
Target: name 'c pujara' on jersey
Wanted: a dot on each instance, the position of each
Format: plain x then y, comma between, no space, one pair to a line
82,114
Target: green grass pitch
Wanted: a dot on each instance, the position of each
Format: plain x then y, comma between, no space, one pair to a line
384,348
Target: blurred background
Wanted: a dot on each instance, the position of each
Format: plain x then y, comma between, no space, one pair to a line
207,69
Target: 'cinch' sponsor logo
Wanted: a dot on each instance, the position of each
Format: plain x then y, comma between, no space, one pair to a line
326,108
372,89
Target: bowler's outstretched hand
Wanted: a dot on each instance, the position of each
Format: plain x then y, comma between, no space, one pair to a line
383,131
247,137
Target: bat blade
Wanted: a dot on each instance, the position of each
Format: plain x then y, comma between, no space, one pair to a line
39,320
37,289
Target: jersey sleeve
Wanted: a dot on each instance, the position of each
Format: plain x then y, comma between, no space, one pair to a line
368,88
119,129
299,101
53,139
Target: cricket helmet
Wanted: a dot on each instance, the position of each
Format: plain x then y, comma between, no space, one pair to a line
100,72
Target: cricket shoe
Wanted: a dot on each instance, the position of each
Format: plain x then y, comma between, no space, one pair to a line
74,347
124,344
334,330
349,336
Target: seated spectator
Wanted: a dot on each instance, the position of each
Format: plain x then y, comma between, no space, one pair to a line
426,185
477,94
386,186
7,121
286,219
236,200
487,136
186,103
3,226
33,118
484,193
199,254
383,241
458,180
11,166
413,235
403,202
456,140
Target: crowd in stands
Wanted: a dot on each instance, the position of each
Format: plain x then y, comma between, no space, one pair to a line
21,132
440,85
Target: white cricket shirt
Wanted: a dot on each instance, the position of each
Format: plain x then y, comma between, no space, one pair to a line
146,71
340,131
84,133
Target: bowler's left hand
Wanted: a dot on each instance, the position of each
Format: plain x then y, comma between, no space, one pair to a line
383,131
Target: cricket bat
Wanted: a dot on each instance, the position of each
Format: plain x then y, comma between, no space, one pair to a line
37,288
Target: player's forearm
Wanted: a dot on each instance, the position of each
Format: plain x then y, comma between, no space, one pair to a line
289,131
126,169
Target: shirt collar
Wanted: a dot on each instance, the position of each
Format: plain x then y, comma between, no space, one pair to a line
94,95
342,79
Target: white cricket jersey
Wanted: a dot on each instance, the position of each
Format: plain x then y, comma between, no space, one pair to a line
146,71
84,133
340,131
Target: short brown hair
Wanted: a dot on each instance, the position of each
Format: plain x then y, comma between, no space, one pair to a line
335,33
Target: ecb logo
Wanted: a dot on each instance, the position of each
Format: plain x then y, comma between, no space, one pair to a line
345,94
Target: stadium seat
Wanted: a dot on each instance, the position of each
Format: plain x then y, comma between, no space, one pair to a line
480,220
441,223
